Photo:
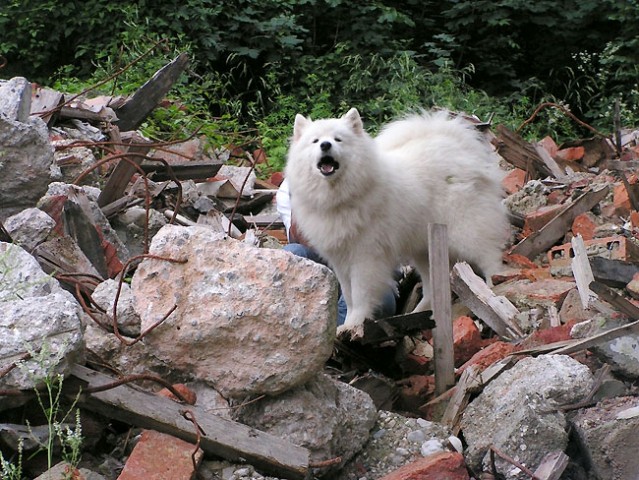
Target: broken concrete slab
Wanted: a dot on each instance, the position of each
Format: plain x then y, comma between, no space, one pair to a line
222,331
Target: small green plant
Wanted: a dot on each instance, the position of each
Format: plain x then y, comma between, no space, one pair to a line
60,431
10,470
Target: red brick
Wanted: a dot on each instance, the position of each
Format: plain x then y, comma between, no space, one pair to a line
621,200
489,355
416,391
277,178
536,220
550,145
633,286
466,339
571,154
158,456
438,466
547,336
514,180
616,248
585,225
189,395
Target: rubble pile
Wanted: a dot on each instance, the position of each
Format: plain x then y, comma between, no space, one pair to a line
151,279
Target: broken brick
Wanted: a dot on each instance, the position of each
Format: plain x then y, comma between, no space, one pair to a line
614,248
158,456
466,339
585,225
514,180
571,154
547,336
189,395
489,355
536,220
438,466
415,391
549,145
633,286
621,200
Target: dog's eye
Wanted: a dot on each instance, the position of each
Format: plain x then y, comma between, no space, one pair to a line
316,140
337,139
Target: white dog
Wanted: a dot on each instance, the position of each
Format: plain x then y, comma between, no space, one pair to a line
364,204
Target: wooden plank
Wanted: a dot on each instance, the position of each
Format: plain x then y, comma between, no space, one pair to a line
183,171
624,306
146,98
519,153
554,230
441,303
124,170
44,102
496,311
550,162
581,271
395,327
224,438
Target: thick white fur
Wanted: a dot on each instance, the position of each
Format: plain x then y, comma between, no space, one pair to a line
373,212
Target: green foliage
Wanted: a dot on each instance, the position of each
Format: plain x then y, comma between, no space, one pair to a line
257,63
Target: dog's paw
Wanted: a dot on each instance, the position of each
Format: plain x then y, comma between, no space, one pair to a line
350,332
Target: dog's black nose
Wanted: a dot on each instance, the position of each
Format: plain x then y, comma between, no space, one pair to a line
325,146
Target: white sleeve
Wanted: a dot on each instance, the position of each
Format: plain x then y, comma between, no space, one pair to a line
283,202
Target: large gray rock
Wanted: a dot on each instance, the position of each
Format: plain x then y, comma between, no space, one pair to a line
37,316
609,432
517,414
330,418
247,320
26,159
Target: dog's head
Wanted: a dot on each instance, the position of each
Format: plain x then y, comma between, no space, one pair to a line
325,142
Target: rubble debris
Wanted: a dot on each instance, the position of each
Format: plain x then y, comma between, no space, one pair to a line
223,437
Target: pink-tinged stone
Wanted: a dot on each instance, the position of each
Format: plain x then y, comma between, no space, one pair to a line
158,456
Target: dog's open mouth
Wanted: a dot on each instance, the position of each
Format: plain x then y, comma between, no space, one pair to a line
327,166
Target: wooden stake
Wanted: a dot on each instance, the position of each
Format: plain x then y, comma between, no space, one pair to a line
441,303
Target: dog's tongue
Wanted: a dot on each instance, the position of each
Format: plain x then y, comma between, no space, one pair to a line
327,168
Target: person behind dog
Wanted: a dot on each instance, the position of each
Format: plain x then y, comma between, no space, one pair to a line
300,247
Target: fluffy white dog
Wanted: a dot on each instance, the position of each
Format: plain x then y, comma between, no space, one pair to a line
364,204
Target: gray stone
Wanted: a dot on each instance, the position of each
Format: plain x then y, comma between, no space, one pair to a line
621,353
36,316
609,434
26,158
15,99
330,418
395,441
30,227
247,320
104,296
517,414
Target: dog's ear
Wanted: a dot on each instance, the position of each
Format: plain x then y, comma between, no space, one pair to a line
354,120
301,123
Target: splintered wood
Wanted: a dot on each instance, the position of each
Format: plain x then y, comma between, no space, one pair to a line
496,311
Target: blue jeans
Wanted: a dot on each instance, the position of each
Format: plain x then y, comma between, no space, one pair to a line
387,305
